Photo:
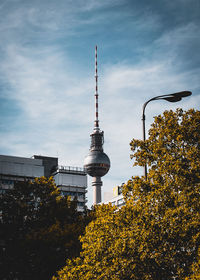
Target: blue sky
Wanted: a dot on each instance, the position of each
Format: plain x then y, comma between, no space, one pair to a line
145,48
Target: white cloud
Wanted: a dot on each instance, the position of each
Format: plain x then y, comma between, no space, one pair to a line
180,35
42,86
47,16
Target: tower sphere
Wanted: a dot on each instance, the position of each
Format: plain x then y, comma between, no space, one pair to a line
97,163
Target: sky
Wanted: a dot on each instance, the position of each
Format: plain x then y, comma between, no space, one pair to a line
145,48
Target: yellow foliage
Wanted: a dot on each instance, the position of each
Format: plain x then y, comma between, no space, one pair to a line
156,235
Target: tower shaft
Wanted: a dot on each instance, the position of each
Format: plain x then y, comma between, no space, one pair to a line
97,184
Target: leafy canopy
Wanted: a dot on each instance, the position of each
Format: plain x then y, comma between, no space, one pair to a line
156,235
40,229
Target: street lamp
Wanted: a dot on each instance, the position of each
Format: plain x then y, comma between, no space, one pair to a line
172,97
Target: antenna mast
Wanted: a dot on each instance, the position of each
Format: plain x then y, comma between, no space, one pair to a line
96,122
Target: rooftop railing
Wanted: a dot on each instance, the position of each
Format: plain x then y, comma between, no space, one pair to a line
70,168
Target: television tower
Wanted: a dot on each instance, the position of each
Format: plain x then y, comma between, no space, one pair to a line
97,163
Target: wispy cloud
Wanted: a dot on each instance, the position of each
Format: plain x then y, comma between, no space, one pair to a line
41,83
181,44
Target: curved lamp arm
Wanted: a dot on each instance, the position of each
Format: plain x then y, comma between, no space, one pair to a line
172,97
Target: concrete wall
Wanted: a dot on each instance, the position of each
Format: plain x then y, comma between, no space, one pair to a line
19,166
67,179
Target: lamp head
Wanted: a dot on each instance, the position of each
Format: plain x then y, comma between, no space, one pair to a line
183,93
172,98
177,96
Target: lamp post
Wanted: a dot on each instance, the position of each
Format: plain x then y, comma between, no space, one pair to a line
172,97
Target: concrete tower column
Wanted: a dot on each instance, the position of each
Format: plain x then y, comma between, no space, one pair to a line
96,183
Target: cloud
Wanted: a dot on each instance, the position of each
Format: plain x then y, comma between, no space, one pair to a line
41,83
49,15
52,102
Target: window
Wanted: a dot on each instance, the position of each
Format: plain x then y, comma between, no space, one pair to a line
120,202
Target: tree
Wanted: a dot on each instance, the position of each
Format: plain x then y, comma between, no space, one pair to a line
156,235
39,230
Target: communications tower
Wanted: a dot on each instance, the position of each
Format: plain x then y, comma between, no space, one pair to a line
97,163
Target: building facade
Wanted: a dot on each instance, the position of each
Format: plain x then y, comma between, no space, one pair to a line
117,198
72,181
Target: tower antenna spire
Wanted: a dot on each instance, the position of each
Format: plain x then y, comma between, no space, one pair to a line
96,122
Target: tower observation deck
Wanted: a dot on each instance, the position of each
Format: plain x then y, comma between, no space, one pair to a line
97,163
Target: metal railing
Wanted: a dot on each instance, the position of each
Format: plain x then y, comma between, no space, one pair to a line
70,168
